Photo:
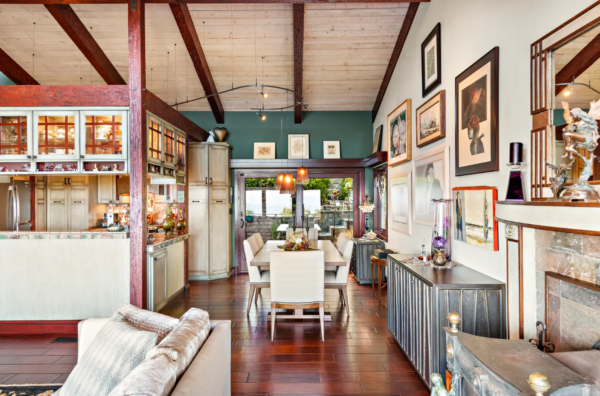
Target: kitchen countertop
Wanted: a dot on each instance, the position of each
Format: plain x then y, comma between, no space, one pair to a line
161,241
96,233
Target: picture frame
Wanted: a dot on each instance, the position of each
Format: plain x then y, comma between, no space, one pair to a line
474,210
431,61
399,134
331,149
431,120
298,146
377,140
400,197
431,180
477,133
264,150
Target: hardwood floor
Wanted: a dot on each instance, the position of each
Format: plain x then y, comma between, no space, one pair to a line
359,355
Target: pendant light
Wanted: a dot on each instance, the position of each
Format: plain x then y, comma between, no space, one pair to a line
287,187
302,174
281,175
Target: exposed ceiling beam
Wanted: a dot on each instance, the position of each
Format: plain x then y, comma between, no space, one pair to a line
72,25
184,21
205,1
298,58
63,95
14,72
408,20
580,63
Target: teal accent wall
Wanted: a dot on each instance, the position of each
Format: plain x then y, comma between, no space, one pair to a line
559,117
354,130
5,81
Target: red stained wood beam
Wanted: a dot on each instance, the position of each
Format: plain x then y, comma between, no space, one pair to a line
72,25
298,58
63,95
14,72
205,1
184,21
159,108
580,63
408,20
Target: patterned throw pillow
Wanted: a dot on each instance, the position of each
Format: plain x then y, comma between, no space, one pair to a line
154,377
117,349
149,321
183,343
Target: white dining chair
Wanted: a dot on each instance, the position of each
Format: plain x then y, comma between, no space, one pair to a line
254,244
289,230
258,279
313,234
341,242
339,279
297,282
258,239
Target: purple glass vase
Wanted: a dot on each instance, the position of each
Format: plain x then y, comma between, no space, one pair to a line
440,236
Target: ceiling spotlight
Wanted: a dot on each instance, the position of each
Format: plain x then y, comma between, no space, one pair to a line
263,94
568,90
262,116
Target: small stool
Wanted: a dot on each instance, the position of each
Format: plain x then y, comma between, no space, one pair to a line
379,263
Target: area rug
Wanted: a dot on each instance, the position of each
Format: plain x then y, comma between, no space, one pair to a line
29,390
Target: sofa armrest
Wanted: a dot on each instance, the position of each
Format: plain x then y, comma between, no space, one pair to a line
209,374
86,332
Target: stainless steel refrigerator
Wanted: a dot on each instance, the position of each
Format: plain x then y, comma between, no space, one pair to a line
15,205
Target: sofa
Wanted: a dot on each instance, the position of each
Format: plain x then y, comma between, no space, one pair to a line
208,374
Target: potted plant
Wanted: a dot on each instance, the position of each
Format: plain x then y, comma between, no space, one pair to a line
249,216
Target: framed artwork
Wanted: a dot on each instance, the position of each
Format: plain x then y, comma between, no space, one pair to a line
331,149
477,116
398,131
298,146
400,197
474,216
431,120
377,140
431,180
431,60
264,150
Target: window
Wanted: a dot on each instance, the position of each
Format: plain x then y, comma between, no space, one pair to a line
254,203
380,214
278,204
312,202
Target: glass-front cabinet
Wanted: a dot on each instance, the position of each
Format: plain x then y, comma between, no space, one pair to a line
166,148
57,135
15,129
181,153
105,135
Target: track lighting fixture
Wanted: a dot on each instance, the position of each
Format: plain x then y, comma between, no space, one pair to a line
262,116
263,94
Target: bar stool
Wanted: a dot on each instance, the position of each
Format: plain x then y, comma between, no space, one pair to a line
379,263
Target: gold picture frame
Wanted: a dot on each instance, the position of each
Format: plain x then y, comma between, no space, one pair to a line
399,134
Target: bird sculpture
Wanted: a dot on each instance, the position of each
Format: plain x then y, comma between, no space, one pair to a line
561,175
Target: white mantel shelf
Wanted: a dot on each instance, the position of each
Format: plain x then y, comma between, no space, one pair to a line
572,217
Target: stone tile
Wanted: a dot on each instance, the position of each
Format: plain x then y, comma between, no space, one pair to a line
543,238
584,268
554,286
579,326
566,242
553,324
541,306
597,265
591,246
540,280
581,295
552,260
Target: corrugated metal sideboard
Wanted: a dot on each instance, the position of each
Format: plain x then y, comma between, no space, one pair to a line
419,300
363,250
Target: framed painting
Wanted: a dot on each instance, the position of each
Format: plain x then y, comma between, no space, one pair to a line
476,148
398,131
431,120
474,216
264,150
431,180
400,197
331,149
298,146
431,60
377,140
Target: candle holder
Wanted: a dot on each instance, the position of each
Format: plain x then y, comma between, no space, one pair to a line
515,190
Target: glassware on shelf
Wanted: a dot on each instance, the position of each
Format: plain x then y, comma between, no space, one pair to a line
440,236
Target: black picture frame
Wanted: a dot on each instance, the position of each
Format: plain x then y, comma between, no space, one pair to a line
436,34
378,138
492,58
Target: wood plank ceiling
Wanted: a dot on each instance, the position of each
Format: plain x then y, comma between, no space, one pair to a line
347,48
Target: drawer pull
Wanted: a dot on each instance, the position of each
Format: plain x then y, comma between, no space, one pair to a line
58,201
196,201
220,201
77,201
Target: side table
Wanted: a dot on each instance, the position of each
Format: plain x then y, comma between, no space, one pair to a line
363,250
379,263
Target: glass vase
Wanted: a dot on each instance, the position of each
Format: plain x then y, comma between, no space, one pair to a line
440,235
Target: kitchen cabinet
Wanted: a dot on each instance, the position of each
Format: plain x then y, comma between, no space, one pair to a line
67,207
181,148
56,135
107,190
198,175
40,206
163,149
67,180
175,264
15,135
104,135
157,280
199,234
211,164
220,237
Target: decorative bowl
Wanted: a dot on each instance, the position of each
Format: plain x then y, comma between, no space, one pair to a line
371,236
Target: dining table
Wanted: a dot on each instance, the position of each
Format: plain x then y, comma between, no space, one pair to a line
333,259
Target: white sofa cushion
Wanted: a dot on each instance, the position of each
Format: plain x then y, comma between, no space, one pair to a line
154,377
117,349
145,320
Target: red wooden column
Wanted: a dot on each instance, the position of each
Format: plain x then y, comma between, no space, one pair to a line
137,153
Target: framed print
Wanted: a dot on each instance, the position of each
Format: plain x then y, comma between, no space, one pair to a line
398,131
431,120
474,216
476,148
298,146
331,149
401,197
431,180
264,150
377,140
431,60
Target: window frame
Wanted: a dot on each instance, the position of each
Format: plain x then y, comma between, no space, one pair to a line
381,234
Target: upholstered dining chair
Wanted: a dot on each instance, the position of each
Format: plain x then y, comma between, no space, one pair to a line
297,282
339,279
341,242
258,239
313,233
258,279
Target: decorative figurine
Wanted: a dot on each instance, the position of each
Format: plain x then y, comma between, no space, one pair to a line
438,388
539,383
168,223
454,319
561,175
581,132
96,168
220,133
116,168
540,342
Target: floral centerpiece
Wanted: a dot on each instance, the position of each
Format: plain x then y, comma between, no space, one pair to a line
296,241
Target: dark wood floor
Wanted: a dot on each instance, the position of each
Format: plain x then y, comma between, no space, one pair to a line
359,355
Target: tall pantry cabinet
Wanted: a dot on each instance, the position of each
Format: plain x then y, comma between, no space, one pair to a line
209,218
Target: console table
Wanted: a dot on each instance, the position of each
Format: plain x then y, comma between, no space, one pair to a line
363,250
420,297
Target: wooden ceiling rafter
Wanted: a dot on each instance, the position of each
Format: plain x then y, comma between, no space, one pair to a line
298,17
185,23
208,1
14,71
408,20
580,63
81,37
63,95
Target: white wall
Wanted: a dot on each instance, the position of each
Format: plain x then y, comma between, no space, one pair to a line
470,29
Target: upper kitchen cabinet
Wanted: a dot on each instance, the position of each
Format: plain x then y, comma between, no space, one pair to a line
56,135
105,135
181,148
15,130
166,154
210,164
